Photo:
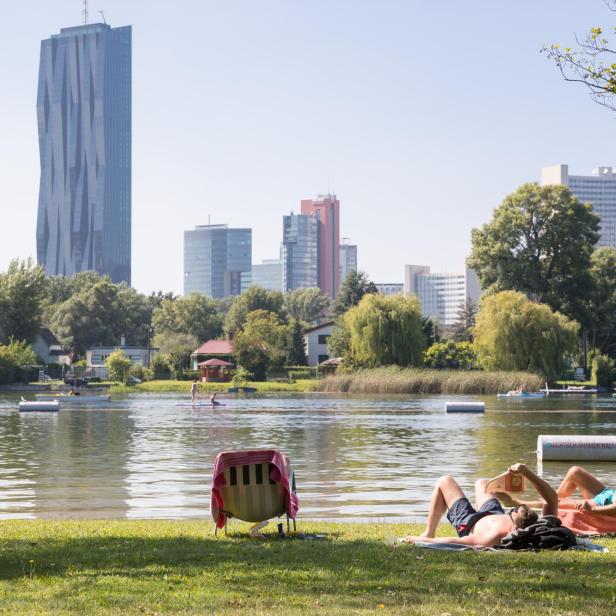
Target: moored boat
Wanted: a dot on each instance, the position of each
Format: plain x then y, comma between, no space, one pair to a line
73,399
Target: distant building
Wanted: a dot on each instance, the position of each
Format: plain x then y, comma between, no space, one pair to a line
326,208
315,339
267,274
97,356
390,288
49,349
300,243
215,258
212,349
441,294
84,131
598,189
348,260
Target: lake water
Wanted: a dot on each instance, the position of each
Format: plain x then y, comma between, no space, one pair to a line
143,456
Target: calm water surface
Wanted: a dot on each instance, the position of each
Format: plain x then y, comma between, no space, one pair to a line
355,457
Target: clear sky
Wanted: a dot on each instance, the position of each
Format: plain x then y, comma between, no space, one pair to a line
421,115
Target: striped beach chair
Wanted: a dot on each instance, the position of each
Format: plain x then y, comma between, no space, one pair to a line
253,486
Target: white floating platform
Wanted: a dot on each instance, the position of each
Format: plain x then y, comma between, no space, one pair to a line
576,447
48,406
465,407
66,399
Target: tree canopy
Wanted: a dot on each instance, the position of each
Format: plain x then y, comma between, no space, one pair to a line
602,305
539,242
254,298
308,305
385,330
514,333
591,63
353,288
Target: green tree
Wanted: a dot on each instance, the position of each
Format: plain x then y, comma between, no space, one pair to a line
514,333
451,355
136,312
539,242
195,315
307,305
591,63
430,331
353,288
22,293
296,346
462,328
118,366
385,330
254,298
340,340
602,305
261,343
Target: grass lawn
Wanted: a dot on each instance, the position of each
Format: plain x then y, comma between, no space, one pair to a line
184,387
171,567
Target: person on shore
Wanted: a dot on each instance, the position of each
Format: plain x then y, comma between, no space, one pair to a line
213,400
596,496
487,524
193,391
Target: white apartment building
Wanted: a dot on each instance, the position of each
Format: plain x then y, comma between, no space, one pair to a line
348,260
389,288
441,294
598,189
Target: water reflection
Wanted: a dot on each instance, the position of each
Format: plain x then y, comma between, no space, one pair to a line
145,456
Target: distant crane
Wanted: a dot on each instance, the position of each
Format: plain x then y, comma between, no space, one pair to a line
85,12
103,16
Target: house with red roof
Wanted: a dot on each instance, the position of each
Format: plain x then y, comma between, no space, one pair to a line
219,350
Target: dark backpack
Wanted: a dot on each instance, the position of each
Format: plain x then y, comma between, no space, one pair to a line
547,533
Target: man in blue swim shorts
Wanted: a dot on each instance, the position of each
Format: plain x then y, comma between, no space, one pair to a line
596,496
486,524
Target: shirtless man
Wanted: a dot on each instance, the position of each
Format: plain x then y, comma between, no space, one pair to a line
488,524
596,496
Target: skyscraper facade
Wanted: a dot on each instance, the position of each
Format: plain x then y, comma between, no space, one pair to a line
300,251
441,295
348,260
326,208
598,189
267,275
84,128
215,257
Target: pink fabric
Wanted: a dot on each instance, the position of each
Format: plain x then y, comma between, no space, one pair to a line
280,474
585,522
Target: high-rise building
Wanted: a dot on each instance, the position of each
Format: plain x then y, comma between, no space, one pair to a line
441,294
326,208
598,189
300,251
348,260
215,257
389,288
267,275
84,127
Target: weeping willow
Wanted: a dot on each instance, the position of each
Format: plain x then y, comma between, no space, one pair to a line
385,330
514,333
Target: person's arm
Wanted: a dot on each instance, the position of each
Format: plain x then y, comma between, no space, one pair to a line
590,505
487,540
546,491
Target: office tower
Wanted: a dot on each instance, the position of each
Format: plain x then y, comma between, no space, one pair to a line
215,257
598,189
348,260
300,243
267,274
389,288
441,294
84,127
327,210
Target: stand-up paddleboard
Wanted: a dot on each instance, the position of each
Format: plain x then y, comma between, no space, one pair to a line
200,404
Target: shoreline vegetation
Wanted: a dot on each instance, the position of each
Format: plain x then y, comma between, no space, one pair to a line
393,380
136,567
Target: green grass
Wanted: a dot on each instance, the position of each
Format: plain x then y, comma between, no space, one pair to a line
394,380
184,387
171,567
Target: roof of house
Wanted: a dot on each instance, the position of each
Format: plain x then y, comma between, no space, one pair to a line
320,326
216,362
48,337
215,347
332,361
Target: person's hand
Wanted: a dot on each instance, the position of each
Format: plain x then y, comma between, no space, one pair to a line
519,469
585,505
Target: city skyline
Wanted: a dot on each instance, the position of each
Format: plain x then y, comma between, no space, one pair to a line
267,120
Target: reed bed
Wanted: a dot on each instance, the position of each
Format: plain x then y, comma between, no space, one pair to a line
394,380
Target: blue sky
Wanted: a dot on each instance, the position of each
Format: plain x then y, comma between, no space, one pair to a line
421,115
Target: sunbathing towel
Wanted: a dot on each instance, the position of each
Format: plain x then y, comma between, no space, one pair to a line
585,522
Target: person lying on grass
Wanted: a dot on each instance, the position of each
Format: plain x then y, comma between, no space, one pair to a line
487,524
596,496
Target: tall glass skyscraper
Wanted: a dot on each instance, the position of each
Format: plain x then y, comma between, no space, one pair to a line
215,257
84,127
300,251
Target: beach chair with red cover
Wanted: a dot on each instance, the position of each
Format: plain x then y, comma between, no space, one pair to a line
254,485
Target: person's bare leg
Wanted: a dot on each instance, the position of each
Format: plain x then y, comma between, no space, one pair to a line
481,493
446,492
580,479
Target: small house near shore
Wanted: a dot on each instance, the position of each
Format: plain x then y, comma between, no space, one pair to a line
49,349
212,349
315,339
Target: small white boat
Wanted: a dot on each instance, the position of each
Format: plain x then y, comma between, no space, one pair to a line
75,399
522,394
38,405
